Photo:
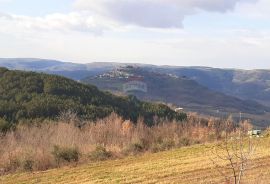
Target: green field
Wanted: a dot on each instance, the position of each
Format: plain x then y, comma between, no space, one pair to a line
184,165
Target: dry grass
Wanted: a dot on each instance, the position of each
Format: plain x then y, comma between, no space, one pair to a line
184,165
31,147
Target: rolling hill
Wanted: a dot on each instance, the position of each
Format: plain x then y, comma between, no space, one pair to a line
67,69
243,84
30,95
181,91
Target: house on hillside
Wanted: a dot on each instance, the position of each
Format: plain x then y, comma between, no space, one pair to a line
254,133
179,109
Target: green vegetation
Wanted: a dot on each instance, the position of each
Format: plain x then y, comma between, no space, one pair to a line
32,96
100,153
4,125
137,147
64,154
28,165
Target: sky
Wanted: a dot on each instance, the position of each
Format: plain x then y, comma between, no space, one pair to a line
215,33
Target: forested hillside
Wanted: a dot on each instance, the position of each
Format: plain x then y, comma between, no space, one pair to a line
243,84
29,95
181,91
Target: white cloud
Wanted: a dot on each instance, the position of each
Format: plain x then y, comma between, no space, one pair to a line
219,45
260,10
155,13
74,21
95,16
235,48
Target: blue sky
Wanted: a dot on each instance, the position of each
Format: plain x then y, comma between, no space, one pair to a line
217,33
35,7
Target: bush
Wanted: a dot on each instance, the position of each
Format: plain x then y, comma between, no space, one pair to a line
63,154
167,144
184,142
196,142
4,126
267,133
13,165
155,148
100,154
137,147
28,165
212,136
162,146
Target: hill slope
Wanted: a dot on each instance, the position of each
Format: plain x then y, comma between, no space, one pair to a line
67,69
244,84
29,95
182,91
185,165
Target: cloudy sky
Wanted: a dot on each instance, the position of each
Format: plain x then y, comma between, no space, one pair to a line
217,33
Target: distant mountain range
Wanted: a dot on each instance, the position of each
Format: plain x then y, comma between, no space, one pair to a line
179,91
244,84
71,70
196,88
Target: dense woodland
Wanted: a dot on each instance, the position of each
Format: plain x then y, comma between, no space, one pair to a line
27,96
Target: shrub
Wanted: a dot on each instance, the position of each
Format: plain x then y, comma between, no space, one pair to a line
43,161
162,146
65,154
212,136
137,147
155,148
167,144
196,142
266,133
28,165
13,165
39,138
184,142
100,154
4,126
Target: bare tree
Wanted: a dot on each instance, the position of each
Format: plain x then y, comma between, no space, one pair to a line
232,155
70,117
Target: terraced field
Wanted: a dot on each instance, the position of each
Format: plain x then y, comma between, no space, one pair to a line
185,165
